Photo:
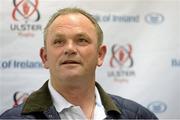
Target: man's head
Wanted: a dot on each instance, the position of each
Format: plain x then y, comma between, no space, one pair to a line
73,46
66,11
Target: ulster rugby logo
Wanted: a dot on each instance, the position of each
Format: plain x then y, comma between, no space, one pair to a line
25,10
121,63
19,97
26,16
121,56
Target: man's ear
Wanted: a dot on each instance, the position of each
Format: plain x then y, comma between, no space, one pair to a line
43,55
101,54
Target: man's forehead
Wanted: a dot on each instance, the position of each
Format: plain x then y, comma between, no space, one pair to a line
73,19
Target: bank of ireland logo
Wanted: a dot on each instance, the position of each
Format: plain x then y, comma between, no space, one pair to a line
121,56
25,10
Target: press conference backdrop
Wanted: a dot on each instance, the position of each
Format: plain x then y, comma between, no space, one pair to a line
142,61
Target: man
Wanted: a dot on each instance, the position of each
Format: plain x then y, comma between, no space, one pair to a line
72,50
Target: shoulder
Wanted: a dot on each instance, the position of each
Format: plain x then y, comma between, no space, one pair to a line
13,113
131,109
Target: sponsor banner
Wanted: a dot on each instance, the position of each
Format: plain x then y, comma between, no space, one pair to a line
142,61
20,64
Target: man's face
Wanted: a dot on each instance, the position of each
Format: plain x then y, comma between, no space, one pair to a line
71,48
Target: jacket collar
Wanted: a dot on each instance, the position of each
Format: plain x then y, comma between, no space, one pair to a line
110,108
40,101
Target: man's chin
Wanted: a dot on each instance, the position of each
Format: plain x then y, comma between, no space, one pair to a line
70,75
71,79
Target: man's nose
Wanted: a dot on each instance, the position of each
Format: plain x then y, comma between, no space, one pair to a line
70,48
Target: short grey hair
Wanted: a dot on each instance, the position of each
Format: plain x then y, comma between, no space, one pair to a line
74,10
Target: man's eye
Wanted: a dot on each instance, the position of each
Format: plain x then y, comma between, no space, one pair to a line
58,42
82,40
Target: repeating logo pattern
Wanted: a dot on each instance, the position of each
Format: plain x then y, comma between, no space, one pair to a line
157,107
121,63
121,56
25,9
154,18
19,97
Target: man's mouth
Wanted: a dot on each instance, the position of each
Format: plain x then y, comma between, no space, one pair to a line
70,62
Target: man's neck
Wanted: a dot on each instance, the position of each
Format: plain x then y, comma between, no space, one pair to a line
82,95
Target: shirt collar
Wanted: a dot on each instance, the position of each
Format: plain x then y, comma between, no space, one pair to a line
98,98
61,103
41,101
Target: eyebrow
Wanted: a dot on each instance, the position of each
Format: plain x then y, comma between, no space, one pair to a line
59,36
82,34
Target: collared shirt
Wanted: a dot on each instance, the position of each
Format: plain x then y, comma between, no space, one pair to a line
68,111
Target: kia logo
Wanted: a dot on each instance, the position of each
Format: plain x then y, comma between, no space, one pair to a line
157,107
154,18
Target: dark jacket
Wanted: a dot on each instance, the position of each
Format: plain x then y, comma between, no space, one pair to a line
39,106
